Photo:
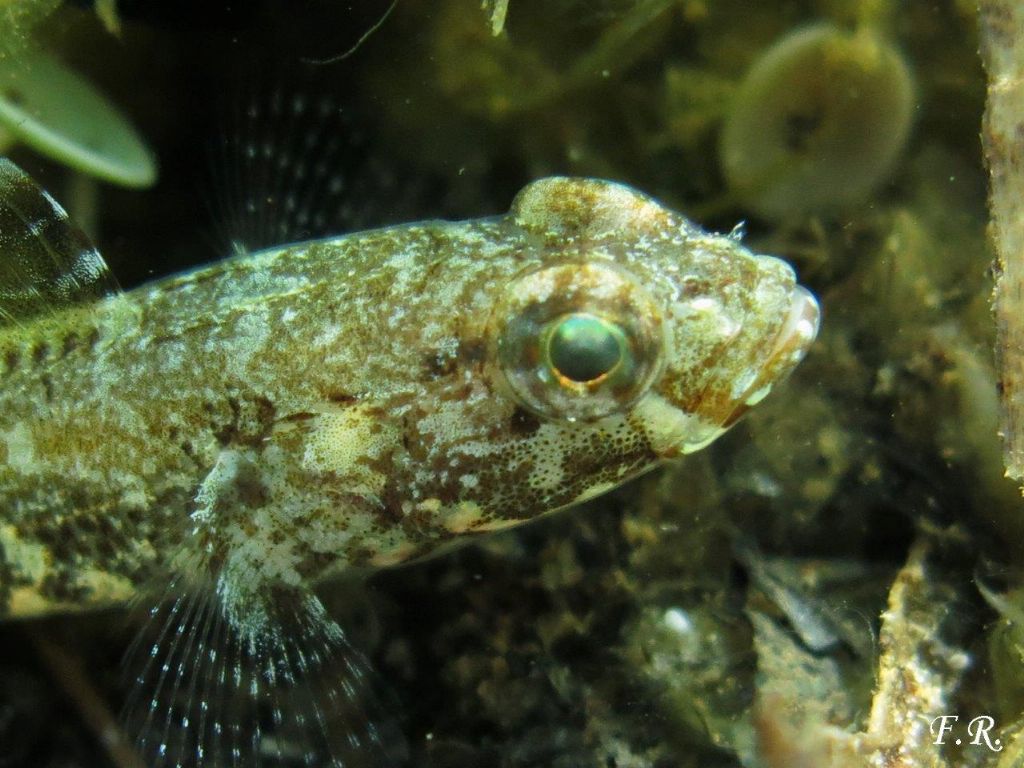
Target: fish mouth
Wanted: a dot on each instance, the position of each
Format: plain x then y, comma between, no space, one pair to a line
798,331
675,432
788,348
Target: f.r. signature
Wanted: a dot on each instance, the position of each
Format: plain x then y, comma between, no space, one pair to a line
978,729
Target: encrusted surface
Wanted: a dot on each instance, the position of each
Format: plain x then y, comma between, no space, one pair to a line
1002,47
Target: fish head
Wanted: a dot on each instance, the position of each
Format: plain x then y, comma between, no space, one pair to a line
600,335
637,324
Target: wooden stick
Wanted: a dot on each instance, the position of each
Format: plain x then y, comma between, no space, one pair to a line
1002,47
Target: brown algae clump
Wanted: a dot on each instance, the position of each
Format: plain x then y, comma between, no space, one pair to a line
818,122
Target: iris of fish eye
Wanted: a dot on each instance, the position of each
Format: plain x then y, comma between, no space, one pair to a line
584,348
578,341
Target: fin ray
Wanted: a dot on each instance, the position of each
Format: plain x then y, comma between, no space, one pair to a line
297,693
299,160
46,262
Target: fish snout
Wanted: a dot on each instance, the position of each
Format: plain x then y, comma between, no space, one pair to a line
789,347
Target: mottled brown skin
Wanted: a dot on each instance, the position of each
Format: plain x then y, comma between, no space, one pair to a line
279,416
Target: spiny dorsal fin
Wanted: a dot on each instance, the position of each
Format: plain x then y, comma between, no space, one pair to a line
298,159
46,262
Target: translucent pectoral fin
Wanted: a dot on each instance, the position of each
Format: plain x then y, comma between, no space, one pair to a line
286,689
239,664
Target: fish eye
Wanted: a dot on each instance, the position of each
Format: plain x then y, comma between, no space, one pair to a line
583,348
579,341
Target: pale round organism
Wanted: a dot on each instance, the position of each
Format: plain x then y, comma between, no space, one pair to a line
818,122
50,108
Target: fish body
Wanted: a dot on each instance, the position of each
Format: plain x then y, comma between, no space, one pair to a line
357,401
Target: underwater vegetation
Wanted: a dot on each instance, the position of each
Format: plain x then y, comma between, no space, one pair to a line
57,113
49,107
813,589
496,10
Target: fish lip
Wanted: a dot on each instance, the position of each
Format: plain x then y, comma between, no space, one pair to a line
788,348
798,330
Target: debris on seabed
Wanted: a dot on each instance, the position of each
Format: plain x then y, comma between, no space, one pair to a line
802,701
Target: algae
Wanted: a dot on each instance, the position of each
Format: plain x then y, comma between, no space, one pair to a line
59,114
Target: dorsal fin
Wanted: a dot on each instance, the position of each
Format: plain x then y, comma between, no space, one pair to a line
298,158
46,262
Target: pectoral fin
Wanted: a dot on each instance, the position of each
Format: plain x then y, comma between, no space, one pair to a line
293,692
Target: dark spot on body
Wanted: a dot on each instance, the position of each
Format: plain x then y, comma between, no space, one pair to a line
301,416
389,513
249,487
523,423
11,360
47,381
438,365
70,344
342,398
265,414
692,287
107,544
250,423
459,393
800,129
40,352
312,566
472,351
277,536
468,354
419,526
60,586
358,554
225,433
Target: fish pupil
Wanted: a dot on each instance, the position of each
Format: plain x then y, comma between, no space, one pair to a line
583,347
